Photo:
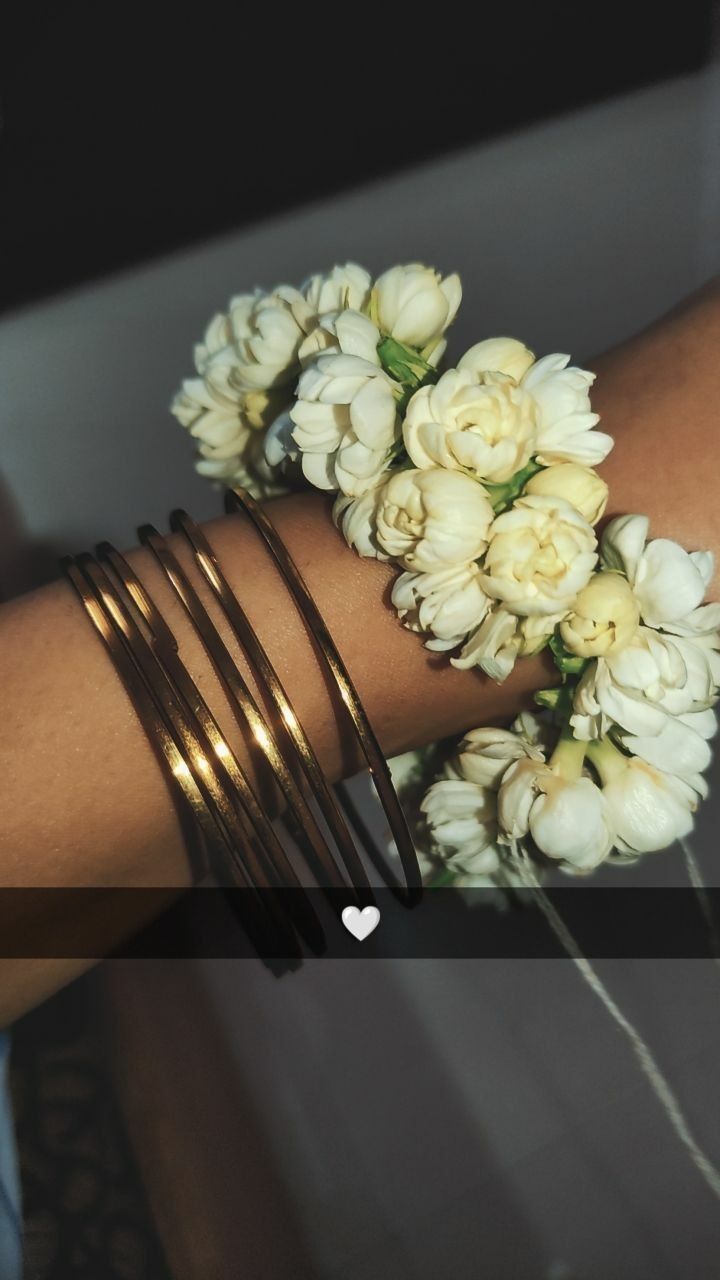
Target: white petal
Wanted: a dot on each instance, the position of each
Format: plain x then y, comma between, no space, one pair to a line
623,542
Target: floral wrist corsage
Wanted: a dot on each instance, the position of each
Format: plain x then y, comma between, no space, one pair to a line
477,482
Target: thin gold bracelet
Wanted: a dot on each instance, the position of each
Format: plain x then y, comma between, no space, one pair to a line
264,863
181,522
306,829
193,814
239,500
266,923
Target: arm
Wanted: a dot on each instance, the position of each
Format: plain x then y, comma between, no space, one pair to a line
84,799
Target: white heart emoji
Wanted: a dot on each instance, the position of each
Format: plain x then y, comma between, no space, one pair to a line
361,923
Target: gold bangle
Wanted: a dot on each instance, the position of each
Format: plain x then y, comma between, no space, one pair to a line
266,924
238,499
181,522
134,659
192,811
265,864
242,701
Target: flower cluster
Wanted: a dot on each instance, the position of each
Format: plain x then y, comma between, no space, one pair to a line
478,483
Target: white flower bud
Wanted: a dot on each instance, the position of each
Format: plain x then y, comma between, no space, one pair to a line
541,554
447,603
604,617
463,827
494,647
566,817
414,305
357,518
344,288
431,520
565,423
497,355
266,332
485,754
345,415
649,809
668,581
578,485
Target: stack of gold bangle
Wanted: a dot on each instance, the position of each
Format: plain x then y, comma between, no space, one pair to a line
227,829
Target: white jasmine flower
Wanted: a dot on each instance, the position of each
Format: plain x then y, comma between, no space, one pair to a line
653,677
668,581
345,288
248,469
541,554
462,821
604,617
497,355
565,422
266,332
431,520
357,519
578,485
480,423
217,337
678,749
227,424
502,638
484,755
567,817
448,603
649,809
345,415
415,305
494,647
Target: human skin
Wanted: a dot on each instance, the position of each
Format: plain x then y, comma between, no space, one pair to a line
85,801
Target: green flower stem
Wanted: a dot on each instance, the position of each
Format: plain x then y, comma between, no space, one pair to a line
406,366
568,757
502,496
609,762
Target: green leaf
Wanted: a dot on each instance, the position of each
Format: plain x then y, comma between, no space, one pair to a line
407,367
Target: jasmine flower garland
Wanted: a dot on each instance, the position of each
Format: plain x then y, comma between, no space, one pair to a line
478,483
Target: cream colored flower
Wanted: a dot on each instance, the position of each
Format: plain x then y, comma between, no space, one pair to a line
654,677
494,647
462,822
649,809
415,305
669,582
357,520
227,425
345,288
578,485
497,355
541,554
604,617
266,332
448,603
484,755
345,415
431,520
565,421
567,818
483,427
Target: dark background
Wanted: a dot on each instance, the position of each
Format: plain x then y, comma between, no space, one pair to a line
128,131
